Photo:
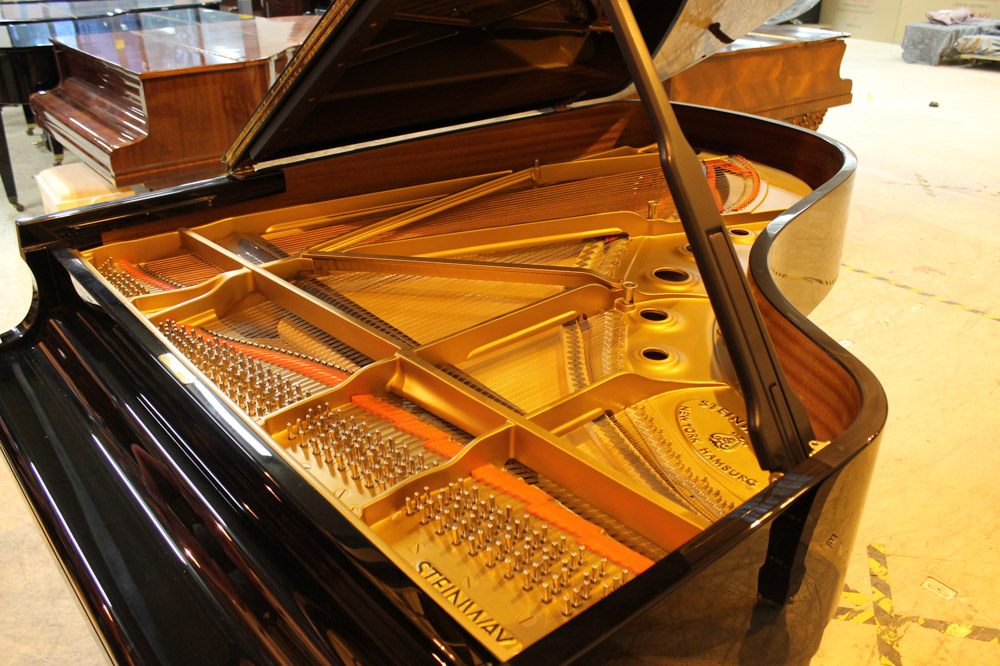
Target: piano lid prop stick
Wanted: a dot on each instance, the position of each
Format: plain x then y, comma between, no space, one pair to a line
780,432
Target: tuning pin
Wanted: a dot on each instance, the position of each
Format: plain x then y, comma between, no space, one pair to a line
567,608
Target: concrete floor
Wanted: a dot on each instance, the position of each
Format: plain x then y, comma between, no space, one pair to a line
918,301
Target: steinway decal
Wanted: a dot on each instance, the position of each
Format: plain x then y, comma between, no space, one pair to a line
726,441
724,467
464,603
715,432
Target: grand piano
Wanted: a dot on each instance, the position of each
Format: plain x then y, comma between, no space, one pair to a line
466,360
27,61
158,106
54,10
789,73
785,72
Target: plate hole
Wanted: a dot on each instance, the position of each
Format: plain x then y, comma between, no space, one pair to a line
654,315
654,354
739,232
671,274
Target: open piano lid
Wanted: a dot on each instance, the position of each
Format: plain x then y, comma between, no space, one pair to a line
374,69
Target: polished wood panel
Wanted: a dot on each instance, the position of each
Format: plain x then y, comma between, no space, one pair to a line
782,72
28,64
290,7
158,107
28,12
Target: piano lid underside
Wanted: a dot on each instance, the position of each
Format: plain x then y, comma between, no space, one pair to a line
510,379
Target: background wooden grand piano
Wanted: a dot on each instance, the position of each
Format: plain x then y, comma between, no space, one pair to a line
783,72
47,10
158,107
27,61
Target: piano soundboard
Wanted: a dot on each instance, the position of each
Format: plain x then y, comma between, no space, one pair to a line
513,388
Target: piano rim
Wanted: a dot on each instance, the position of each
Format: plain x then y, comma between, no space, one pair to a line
44,236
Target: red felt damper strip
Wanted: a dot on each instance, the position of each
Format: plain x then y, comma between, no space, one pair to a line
444,447
431,438
316,371
510,485
607,547
139,275
564,519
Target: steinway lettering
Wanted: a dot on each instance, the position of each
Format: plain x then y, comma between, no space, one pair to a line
464,603
687,427
723,466
729,415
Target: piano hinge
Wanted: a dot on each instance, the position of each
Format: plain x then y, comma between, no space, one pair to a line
817,445
243,170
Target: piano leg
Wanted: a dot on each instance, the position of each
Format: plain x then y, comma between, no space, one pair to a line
56,148
29,118
7,170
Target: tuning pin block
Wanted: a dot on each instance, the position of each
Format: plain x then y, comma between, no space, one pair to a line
535,561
